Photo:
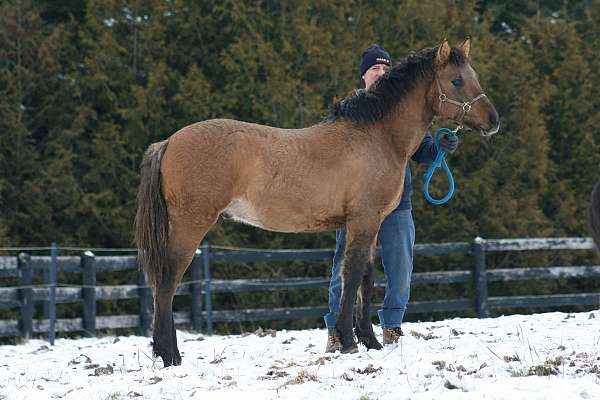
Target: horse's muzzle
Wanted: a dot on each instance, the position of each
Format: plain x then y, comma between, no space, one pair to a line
494,122
490,132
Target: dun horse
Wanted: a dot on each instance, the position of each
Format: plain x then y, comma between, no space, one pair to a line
594,215
345,172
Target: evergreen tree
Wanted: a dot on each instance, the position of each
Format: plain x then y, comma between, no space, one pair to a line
21,184
570,112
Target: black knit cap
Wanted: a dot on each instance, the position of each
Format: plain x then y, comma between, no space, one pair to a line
374,55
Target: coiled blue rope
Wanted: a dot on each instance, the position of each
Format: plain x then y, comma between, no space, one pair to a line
440,159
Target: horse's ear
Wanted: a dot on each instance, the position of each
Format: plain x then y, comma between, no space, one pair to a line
465,47
443,54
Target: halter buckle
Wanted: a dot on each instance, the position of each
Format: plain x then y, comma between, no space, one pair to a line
466,107
443,97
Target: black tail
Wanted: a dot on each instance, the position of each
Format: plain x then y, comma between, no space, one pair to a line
151,219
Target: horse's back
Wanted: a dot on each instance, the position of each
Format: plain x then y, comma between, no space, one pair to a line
228,143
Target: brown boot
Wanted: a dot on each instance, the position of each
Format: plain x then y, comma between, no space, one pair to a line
333,344
391,335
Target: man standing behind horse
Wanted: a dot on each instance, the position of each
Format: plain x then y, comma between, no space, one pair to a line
397,232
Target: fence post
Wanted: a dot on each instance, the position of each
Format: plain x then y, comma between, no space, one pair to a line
480,278
52,305
197,291
89,293
145,305
206,264
26,295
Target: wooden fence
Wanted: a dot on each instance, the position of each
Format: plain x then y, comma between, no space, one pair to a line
201,287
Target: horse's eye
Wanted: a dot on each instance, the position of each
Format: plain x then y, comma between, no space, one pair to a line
458,82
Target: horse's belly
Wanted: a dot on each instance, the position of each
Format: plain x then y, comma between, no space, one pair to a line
241,210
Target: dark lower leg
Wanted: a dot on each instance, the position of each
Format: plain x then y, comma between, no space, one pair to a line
164,336
364,327
343,325
353,268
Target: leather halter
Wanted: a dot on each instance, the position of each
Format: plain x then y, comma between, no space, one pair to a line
464,107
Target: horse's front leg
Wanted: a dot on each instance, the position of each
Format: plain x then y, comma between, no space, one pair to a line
360,243
364,327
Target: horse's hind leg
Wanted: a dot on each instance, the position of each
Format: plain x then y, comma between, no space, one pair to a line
360,243
182,244
364,327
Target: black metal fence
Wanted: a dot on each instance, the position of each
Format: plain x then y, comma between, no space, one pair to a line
202,288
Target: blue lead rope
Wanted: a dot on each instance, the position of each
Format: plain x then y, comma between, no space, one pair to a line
440,159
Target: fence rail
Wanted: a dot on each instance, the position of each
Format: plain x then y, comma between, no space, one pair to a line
202,288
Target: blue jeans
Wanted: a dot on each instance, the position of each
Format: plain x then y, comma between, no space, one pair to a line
397,239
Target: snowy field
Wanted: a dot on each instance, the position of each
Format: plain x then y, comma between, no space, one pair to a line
544,356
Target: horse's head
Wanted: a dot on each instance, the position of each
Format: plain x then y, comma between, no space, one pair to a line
457,93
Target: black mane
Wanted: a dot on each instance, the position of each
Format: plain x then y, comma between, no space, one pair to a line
365,106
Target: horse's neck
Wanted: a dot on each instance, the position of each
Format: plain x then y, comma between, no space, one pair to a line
410,119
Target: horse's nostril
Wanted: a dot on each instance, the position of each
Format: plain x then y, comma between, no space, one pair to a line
493,118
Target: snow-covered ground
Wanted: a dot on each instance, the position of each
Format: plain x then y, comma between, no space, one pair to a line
544,356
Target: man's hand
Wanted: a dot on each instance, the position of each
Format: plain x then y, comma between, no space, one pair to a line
449,143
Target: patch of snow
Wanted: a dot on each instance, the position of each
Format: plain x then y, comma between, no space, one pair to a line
542,356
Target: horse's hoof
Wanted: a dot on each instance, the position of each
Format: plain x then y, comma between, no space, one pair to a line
171,361
371,343
351,349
